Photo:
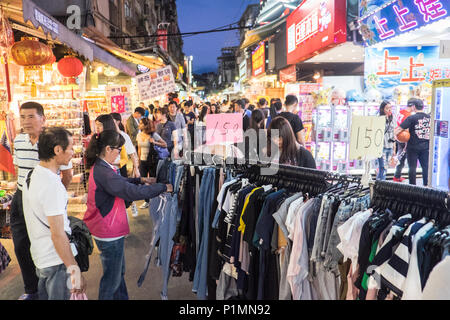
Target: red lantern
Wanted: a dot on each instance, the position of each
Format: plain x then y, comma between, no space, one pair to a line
70,67
31,52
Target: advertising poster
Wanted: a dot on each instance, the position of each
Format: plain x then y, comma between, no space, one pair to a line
155,83
387,68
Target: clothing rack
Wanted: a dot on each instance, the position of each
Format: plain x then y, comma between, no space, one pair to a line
401,198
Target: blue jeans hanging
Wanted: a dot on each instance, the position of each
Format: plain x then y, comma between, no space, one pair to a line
206,199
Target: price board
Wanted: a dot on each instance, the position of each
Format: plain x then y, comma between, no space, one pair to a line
224,128
367,137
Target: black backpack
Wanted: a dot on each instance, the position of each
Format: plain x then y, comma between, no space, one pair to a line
81,237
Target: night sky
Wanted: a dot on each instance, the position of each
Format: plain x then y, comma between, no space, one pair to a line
199,15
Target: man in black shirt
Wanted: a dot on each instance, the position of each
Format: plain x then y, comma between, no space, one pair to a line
419,141
246,114
291,115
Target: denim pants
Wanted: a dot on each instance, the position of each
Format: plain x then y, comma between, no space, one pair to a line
53,282
112,283
383,163
414,155
206,200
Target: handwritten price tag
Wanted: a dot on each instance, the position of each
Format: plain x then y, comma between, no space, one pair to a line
367,137
224,128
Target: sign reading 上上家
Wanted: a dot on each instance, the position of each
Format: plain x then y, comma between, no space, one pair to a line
367,137
401,16
155,83
224,128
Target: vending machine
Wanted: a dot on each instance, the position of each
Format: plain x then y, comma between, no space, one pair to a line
340,138
438,168
372,109
323,120
357,109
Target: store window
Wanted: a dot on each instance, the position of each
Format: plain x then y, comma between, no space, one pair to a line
127,9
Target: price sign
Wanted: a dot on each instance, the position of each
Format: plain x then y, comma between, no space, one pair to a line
224,128
367,137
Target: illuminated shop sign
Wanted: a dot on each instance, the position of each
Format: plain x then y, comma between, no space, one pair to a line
401,16
259,60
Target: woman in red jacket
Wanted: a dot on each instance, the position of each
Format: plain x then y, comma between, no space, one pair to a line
106,215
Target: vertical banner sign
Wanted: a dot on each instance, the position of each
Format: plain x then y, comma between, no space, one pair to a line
315,26
259,59
119,97
155,83
118,104
224,128
367,137
162,38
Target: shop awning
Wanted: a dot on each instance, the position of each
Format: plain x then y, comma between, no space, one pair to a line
135,58
256,35
56,30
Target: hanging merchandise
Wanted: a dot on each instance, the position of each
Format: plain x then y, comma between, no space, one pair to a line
5,259
303,234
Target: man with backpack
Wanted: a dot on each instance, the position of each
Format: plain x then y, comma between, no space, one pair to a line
45,209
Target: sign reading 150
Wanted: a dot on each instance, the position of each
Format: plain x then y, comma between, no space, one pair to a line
367,137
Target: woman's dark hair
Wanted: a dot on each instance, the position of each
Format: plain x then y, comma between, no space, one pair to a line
257,120
289,148
149,126
49,139
151,108
251,107
107,121
116,116
383,112
203,113
99,142
86,124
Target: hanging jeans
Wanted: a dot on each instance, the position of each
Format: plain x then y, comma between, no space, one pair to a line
165,214
206,199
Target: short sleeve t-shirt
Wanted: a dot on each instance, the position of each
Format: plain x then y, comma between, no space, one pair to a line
419,129
46,197
403,114
294,120
165,131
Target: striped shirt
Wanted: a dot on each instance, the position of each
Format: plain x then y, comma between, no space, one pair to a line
26,157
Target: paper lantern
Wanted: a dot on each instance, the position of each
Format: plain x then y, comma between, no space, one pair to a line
31,52
70,67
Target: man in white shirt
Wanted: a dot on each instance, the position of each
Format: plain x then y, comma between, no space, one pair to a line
45,210
32,121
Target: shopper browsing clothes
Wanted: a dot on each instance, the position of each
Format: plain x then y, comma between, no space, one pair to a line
106,216
168,131
419,141
149,142
290,152
32,121
388,144
45,210
401,146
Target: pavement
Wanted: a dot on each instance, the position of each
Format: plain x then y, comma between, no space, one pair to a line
136,248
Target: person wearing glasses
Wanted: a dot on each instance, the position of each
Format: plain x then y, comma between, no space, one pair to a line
106,215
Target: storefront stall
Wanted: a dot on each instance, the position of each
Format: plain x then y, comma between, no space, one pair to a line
404,55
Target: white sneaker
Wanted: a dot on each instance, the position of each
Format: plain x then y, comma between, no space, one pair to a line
144,205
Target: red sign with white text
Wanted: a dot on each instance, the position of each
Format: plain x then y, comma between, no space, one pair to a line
315,26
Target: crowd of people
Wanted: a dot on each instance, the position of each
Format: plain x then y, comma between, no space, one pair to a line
39,219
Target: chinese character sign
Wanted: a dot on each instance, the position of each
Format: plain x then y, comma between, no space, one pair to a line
118,104
389,67
259,59
155,83
366,7
401,16
313,27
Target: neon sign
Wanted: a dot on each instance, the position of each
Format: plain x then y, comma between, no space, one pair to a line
401,16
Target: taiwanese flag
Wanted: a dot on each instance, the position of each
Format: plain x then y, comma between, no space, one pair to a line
6,160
